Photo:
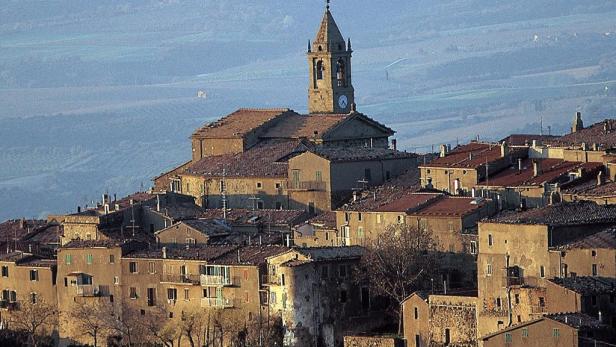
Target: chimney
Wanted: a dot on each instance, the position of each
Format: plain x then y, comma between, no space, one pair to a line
470,156
288,240
78,209
600,178
394,144
106,207
164,252
534,143
519,164
22,223
115,197
504,149
354,195
536,168
584,146
448,148
117,207
473,192
157,203
443,151
239,259
456,186
600,317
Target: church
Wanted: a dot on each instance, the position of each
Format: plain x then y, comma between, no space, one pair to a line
280,159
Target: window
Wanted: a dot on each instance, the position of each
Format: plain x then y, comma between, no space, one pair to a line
318,176
524,332
186,294
347,216
5,271
417,341
33,298
593,253
450,226
416,313
259,185
116,280
541,301
342,271
360,232
34,276
498,302
132,267
508,338
273,298
542,271
187,187
555,332
517,299
594,270
279,205
473,248
343,296
282,280
172,294
260,205
489,270
68,259
447,337
111,259
133,293
222,186
319,67
89,259
190,241
278,185
340,72
368,175
490,241
151,296
400,219
359,216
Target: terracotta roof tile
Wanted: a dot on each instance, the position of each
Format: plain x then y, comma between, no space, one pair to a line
297,126
602,134
408,202
563,214
338,154
473,155
603,239
527,139
246,216
552,171
240,122
591,189
266,159
451,206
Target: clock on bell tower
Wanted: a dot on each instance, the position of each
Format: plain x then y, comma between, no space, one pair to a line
329,61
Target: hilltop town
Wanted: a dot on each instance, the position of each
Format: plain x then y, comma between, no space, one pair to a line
289,229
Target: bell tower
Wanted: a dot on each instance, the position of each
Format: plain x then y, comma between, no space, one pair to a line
329,61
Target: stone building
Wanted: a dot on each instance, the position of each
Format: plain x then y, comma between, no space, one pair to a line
516,259
318,231
440,319
279,159
26,279
458,171
314,292
592,255
566,329
536,182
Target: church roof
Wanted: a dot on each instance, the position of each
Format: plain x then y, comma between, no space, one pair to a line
297,126
240,123
328,31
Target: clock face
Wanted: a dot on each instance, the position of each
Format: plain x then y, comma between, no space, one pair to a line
343,101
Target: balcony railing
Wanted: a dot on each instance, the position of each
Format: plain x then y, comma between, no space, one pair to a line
215,280
217,303
87,290
179,278
270,279
309,185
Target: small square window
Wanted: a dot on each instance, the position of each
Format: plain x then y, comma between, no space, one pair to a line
259,185
34,275
132,267
133,293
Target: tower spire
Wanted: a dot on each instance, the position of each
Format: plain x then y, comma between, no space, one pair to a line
327,5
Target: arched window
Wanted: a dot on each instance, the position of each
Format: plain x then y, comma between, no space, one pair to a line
320,70
341,73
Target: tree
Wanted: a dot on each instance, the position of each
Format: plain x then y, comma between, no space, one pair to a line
399,262
91,317
37,319
160,330
265,331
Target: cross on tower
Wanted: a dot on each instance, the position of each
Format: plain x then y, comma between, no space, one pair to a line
327,4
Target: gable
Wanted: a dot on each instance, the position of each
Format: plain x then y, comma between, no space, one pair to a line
357,127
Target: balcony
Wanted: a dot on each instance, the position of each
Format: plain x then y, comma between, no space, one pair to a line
216,303
309,186
270,280
181,279
514,281
215,280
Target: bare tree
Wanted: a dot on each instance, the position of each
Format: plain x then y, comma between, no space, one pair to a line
265,331
37,319
91,318
161,330
399,262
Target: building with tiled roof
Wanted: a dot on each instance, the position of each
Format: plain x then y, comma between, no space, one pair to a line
536,182
317,231
461,169
280,159
591,255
